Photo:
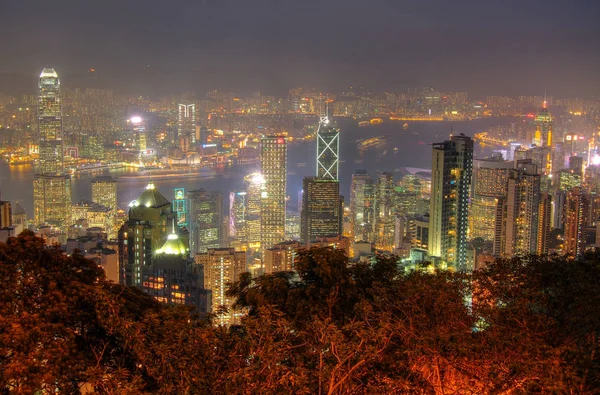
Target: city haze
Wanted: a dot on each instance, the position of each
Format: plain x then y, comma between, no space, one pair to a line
157,47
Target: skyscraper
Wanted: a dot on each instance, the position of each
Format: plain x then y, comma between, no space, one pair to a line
238,203
452,167
522,219
543,127
490,180
186,123
273,162
180,207
51,188
362,210
50,123
328,150
576,213
384,218
205,220
104,192
222,266
254,183
322,209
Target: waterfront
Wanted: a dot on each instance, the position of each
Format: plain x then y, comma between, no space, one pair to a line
413,150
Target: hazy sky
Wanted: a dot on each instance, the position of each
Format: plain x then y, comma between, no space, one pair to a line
485,46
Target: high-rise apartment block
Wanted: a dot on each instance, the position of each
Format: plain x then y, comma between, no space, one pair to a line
576,214
490,180
523,216
452,167
222,266
273,162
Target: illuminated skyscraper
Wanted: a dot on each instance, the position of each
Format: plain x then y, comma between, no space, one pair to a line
180,207
523,216
222,266
362,210
576,214
384,218
205,220
543,128
490,180
51,189
254,183
328,150
238,203
273,162
322,209
50,123
186,125
104,192
452,167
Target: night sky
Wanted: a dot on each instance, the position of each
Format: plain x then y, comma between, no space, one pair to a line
485,46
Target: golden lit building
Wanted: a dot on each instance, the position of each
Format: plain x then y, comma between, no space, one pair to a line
490,181
273,163
576,213
104,192
52,200
222,266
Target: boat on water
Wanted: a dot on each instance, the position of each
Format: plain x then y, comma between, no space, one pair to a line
405,126
371,142
364,123
163,174
376,121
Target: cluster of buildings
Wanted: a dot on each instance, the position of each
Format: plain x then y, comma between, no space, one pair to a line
533,197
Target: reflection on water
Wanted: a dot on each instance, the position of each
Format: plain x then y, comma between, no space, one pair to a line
410,147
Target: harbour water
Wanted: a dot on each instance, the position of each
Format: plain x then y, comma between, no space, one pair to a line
400,148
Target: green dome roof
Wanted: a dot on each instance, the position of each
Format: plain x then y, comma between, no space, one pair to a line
151,197
173,246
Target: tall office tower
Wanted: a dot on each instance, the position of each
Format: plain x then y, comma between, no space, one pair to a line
322,209
52,200
544,223
490,180
543,127
50,124
558,157
186,122
144,233
180,207
273,162
222,266
51,189
254,183
205,219
104,192
452,167
238,203
384,207
576,213
362,208
328,150
138,127
522,214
